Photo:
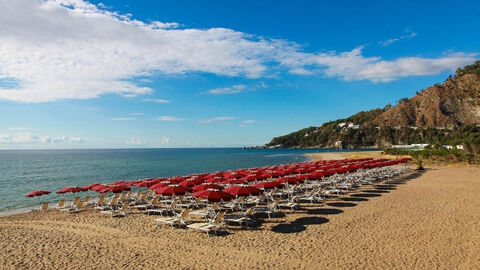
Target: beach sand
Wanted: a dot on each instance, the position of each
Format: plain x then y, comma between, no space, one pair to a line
427,220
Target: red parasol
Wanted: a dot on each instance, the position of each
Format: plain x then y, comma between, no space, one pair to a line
172,190
233,181
71,189
114,189
37,193
250,178
289,180
242,191
213,196
91,186
190,183
157,186
206,186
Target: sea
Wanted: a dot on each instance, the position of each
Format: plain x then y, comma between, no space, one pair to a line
23,171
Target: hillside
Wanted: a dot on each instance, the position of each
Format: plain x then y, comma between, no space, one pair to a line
447,113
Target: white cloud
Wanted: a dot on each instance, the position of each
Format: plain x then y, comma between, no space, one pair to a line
76,140
29,138
134,141
301,71
18,138
409,35
123,119
160,101
235,89
247,123
388,42
137,113
228,90
168,118
165,140
71,49
217,119
353,66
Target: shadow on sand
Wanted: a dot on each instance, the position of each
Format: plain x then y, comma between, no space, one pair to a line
299,225
342,204
324,211
366,195
350,199
375,191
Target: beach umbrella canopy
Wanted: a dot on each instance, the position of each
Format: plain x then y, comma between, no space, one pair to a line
157,186
249,177
145,183
115,189
232,175
190,183
98,187
206,186
37,193
242,191
268,185
63,190
177,179
317,174
289,180
158,180
172,190
91,186
233,181
213,196
215,179
71,189
265,175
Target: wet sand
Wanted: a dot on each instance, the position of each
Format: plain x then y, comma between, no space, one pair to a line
426,220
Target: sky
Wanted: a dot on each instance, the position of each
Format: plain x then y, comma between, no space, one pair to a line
134,74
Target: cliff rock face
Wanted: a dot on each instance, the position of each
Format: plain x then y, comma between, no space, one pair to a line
451,104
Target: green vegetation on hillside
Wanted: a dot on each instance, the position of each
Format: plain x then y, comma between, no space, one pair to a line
329,133
367,136
470,69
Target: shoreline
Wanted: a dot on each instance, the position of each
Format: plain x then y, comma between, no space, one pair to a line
17,211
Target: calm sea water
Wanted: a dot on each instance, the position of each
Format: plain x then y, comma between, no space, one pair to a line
23,171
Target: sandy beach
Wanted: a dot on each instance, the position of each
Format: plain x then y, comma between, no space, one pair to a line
424,220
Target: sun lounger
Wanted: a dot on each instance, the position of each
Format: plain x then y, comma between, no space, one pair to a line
61,205
312,197
206,212
117,213
269,210
177,220
214,226
245,219
111,206
171,209
76,209
289,204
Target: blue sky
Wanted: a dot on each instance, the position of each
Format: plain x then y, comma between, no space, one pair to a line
115,74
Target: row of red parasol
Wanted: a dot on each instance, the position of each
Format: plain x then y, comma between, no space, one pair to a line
238,179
